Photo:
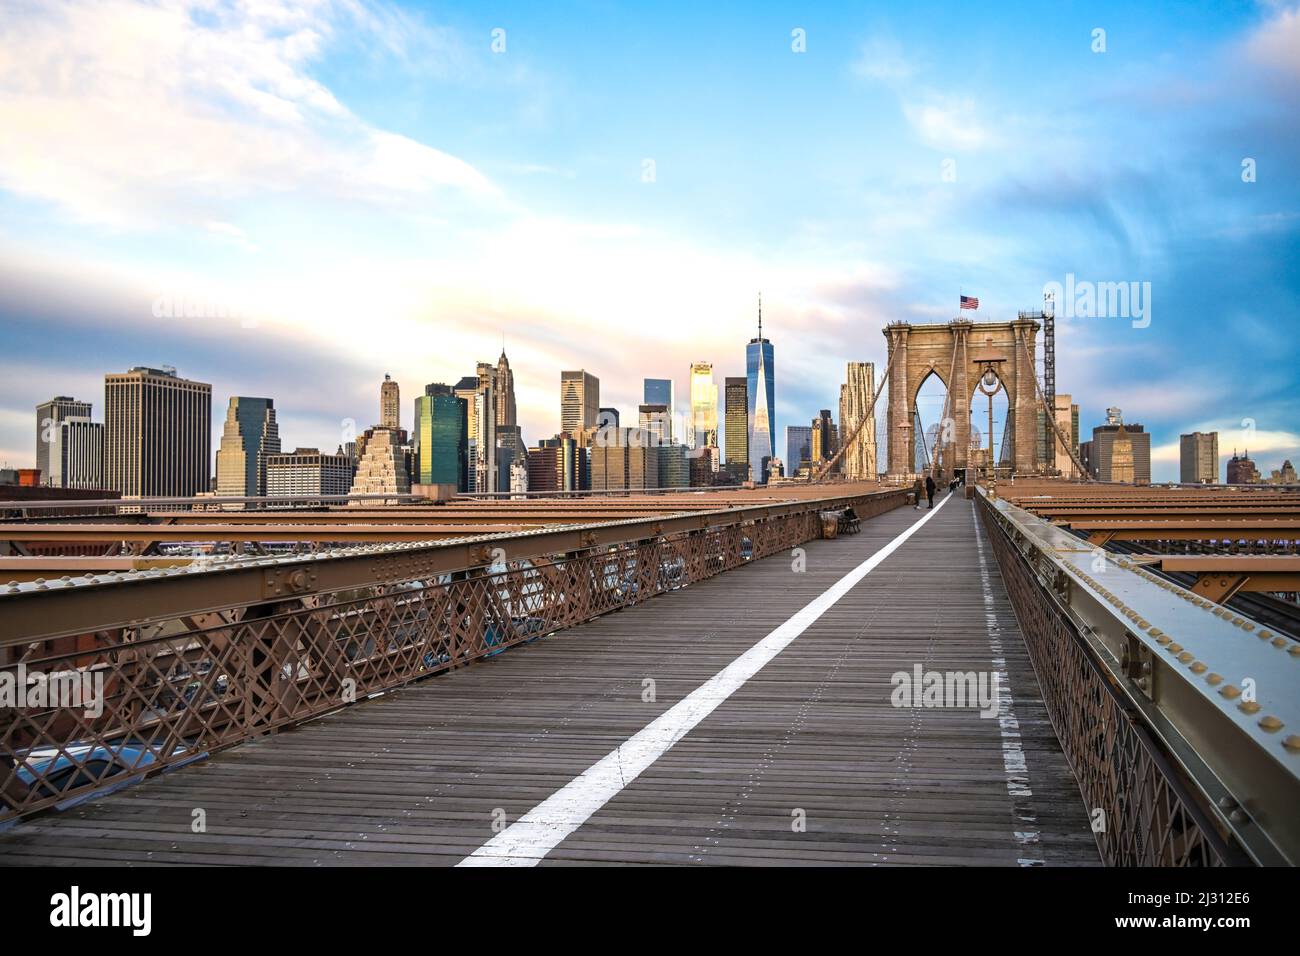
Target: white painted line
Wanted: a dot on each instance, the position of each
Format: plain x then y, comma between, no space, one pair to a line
540,830
1014,760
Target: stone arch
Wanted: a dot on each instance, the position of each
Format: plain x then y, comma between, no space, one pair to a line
958,352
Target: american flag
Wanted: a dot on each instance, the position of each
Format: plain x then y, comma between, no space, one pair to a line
970,302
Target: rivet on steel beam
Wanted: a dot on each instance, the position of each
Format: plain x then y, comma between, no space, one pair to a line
1250,706
1174,648
1279,642
1186,656
1292,743
1270,723
1214,679
1230,692
1199,668
1163,639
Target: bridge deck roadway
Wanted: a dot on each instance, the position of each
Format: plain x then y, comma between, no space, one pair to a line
804,761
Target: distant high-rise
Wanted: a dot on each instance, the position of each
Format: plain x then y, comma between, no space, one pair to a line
1241,469
441,443
1286,475
76,458
579,403
48,416
798,447
626,461
761,385
307,471
506,409
704,406
1120,452
467,388
607,418
508,432
736,429
654,420
1198,458
382,468
250,434
1067,420
157,433
859,461
484,468
390,401
660,391
824,434
674,466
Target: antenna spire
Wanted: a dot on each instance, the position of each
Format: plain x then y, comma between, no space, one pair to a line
760,316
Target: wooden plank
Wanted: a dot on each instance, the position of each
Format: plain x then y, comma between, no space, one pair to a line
416,776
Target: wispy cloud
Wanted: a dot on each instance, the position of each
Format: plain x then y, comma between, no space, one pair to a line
147,115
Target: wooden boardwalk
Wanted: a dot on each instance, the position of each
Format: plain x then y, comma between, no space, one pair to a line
806,763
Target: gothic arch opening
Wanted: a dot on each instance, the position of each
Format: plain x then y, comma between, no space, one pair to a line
957,354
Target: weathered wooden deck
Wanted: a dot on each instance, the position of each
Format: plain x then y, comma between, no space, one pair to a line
420,776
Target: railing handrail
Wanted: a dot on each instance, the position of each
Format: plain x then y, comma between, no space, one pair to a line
47,609
1178,659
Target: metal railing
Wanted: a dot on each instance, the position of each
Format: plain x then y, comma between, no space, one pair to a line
1177,715
150,669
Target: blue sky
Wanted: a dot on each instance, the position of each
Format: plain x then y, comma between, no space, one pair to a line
382,191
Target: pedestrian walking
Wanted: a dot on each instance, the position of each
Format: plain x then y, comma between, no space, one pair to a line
929,490
917,490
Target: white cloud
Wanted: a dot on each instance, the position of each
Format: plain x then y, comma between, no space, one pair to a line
947,123
142,115
1276,44
881,59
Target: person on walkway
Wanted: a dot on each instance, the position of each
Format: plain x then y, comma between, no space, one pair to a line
917,490
929,490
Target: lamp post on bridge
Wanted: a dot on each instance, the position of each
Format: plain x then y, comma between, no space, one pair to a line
989,384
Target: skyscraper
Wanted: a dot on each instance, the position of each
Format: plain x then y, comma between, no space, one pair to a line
579,403
859,461
1198,458
157,433
48,416
659,391
307,471
508,433
653,420
737,426
382,468
485,442
760,372
824,443
250,434
441,442
704,406
1120,452
1241,469
390,400
467,389
506,410
798,447
76,458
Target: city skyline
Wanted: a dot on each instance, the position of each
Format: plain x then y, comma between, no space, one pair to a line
425,230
